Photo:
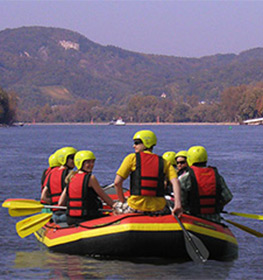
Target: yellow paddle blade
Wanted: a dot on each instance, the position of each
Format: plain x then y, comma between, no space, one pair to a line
13,202
18,212
32,224
23,207
245,228
246,215
8,202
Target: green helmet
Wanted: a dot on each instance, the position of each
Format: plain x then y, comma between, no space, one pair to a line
181,154
170,156
81,156
147,137
63,153
196,154
53,160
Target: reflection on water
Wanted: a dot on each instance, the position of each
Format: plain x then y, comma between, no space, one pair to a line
63,266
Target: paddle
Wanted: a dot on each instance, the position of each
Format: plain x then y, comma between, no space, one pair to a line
8,202
24,207
245,215
245,228
32,224
107,187
194,246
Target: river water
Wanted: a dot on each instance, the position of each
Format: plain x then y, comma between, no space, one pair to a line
236,151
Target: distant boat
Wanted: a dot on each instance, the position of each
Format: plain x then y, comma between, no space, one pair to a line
18,124
258,121
119,122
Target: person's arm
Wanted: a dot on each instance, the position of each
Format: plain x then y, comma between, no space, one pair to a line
178,210
172,176
93,182
123,173
43,177
45,195
63,198
226,195
118,187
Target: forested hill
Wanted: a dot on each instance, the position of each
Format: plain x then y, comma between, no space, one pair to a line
57,66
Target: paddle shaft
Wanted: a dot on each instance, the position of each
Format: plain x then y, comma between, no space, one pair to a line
55,207
245,215
245,228
107,187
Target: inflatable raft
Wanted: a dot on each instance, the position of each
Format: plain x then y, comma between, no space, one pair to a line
138,236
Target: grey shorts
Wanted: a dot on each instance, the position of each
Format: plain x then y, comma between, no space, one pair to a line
124,208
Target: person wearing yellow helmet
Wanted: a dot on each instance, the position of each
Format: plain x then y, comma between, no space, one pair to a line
181,162
83,192
147,172
53,162
203,190
169,156
56,180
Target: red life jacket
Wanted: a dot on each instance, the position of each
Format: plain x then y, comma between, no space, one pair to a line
56,183
205,190
148,177
44,178
82,200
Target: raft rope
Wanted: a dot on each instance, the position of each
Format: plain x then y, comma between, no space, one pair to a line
105,224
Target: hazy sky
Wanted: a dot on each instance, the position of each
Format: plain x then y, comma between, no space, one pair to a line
178,28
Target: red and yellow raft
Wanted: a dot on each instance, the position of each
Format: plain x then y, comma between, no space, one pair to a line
138,236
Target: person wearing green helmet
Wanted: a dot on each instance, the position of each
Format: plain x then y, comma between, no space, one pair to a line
203,190
147,172
83,193
56,181
181,162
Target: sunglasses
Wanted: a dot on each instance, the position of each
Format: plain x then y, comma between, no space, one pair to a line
181,162
137,142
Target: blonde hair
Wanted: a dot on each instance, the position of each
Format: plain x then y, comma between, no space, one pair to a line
70,175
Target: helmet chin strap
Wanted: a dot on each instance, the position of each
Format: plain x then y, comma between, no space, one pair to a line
148,149
200,164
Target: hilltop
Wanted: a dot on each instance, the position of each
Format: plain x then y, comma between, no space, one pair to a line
57,66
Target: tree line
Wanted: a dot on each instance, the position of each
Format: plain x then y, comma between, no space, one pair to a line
235,104
8,106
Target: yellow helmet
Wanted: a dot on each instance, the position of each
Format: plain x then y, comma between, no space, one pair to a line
63,153
181,154
81,156
170,156
53,160
147,137
196,154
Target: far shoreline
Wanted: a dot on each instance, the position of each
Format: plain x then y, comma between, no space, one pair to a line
137,124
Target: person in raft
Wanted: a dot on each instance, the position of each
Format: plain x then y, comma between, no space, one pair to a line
56,181
181,162
83,193
147,171
169,156
203,190
53,162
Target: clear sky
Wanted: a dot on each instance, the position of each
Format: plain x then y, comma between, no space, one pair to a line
179,28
